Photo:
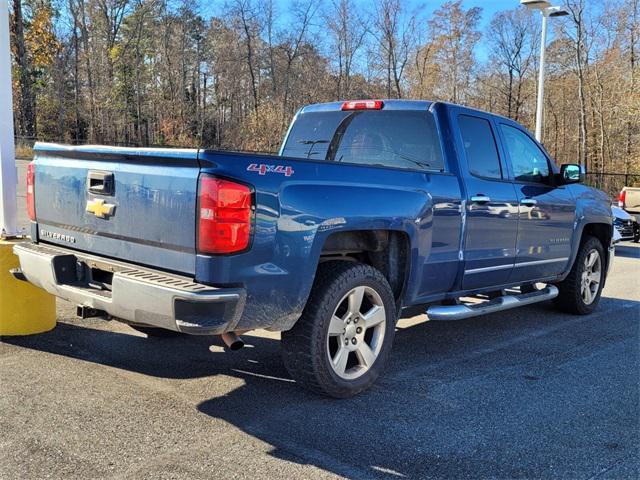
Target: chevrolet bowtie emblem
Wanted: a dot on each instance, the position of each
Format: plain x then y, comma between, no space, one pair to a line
99,208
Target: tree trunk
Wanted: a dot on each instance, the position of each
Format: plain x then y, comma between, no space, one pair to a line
27,117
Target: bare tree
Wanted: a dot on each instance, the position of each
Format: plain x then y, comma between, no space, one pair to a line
394,32
26,113
632,13
513,43
455,35
348,34
578,35
292,45
245,13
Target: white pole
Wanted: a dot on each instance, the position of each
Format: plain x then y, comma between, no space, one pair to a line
543,47
8,172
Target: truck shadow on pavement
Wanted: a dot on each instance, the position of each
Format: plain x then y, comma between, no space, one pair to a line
514,394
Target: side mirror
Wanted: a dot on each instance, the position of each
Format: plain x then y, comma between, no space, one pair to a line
571,173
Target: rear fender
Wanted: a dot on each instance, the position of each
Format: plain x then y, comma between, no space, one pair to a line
296,213
332,208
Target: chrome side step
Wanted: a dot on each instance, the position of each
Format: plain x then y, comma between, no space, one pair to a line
460,312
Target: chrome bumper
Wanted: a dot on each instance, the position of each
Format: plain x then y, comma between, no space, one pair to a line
134,294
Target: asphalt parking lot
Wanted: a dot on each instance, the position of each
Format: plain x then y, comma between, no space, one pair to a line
528,393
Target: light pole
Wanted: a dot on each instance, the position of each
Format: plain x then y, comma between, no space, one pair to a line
8,174
547,11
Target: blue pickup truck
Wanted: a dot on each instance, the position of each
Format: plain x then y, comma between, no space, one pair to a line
370,207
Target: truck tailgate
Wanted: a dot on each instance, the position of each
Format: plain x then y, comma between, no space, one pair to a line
632,199
136,205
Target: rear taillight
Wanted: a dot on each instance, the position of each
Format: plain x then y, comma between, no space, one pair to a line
31,183
224,216
621,198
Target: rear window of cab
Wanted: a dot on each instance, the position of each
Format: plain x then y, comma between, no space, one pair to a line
404,139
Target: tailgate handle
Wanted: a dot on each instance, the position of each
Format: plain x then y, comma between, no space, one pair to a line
100,182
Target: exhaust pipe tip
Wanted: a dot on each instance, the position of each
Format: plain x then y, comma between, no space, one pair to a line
232,341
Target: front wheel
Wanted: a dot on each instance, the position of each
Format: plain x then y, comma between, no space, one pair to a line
580,291
342,341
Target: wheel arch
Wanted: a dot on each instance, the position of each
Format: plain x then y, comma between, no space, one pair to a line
602,231
384,249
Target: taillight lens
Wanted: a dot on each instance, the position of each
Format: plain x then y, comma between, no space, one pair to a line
621,198
224,216
31,183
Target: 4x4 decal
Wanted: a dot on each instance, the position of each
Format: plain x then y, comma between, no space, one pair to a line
263,169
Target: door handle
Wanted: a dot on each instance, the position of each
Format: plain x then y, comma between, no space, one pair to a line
480,198
529,202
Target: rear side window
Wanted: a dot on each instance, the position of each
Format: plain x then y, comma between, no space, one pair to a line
399,139
480,147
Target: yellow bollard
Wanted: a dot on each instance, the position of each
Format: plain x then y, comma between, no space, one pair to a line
24,309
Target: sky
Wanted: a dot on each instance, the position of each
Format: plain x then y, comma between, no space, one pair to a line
425,8
489,9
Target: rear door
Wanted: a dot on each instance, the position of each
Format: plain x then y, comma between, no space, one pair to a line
546,212
491,204
136,205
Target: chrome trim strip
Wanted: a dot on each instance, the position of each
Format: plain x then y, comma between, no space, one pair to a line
541,262
489,269
517,265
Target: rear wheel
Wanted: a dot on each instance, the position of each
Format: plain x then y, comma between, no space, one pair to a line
340,345
154,332
580,291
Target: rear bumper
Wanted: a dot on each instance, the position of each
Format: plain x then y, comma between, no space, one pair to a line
134,294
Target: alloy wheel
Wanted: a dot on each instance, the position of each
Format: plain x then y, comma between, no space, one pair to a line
356,332
591,277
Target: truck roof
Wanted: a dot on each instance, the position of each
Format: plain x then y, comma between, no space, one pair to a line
395,104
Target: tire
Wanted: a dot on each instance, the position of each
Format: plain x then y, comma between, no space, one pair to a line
573,298
341,343
155,332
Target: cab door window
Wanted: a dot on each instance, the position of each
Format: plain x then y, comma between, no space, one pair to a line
528,162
